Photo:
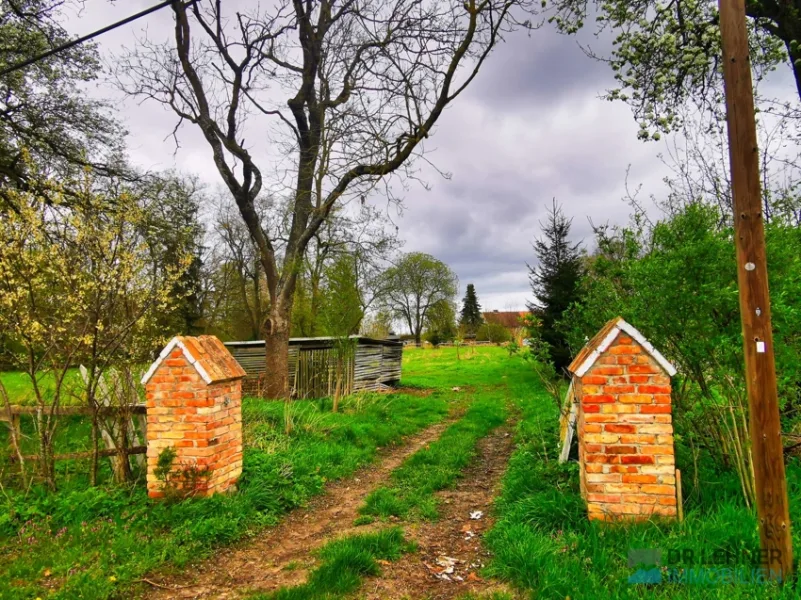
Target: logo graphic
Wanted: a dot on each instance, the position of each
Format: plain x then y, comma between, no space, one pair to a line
647,561
644,556
646,576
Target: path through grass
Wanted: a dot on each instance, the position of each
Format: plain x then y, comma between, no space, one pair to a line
411,493
84,542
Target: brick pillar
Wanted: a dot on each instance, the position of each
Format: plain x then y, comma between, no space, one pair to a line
194,405
626,434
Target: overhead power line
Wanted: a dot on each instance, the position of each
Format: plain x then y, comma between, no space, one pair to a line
88,37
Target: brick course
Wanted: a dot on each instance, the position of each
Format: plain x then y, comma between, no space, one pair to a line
625,433
200,419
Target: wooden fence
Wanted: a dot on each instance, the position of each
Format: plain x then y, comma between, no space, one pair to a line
11,415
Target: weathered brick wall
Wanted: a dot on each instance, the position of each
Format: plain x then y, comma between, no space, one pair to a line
203,422
626,435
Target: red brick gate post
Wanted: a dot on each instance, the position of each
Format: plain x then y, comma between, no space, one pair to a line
624,425
194,405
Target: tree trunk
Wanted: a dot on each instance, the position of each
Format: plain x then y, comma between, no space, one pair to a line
276,339
45,449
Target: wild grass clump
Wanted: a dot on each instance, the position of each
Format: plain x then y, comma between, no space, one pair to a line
436,467
344,564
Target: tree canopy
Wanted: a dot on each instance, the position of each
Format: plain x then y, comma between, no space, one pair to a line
45,118
414,285
667,52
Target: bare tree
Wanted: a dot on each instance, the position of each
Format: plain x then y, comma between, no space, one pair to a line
363,84
247,275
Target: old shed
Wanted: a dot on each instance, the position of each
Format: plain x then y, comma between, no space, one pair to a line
314,366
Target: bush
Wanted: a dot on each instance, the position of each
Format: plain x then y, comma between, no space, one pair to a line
493,332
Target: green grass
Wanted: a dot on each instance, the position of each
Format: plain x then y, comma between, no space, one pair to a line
344,564
96,542
544,545
436,467
20,387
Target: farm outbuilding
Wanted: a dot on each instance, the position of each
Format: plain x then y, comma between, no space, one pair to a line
314,366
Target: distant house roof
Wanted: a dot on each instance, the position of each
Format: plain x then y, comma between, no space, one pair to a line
507,319
593,349
207,354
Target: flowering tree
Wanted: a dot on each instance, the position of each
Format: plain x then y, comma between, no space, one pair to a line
79,284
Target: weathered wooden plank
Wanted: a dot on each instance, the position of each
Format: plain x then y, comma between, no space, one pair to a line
374,362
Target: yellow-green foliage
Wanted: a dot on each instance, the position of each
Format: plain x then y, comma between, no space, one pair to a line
78,276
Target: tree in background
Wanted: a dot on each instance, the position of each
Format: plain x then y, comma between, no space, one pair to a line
416,283
341,313
345,93
493,332
377,325
363,236
555,281
441,322
174,232
240,294
470,318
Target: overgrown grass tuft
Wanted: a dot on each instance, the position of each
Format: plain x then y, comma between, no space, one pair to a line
344,563
84,542
436,467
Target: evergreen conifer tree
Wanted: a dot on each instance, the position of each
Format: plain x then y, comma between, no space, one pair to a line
470,316
555,281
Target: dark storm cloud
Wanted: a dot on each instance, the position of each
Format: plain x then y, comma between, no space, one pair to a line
542,68
530,130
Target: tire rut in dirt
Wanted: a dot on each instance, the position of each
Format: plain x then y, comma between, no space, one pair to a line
454,536
282,555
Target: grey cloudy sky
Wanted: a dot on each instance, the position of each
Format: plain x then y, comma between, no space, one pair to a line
531,128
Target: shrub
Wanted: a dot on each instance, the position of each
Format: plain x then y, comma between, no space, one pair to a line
493,332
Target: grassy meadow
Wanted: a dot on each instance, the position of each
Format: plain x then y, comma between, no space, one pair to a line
85,542
20,388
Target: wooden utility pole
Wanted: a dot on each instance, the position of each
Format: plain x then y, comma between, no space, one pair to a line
752,277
